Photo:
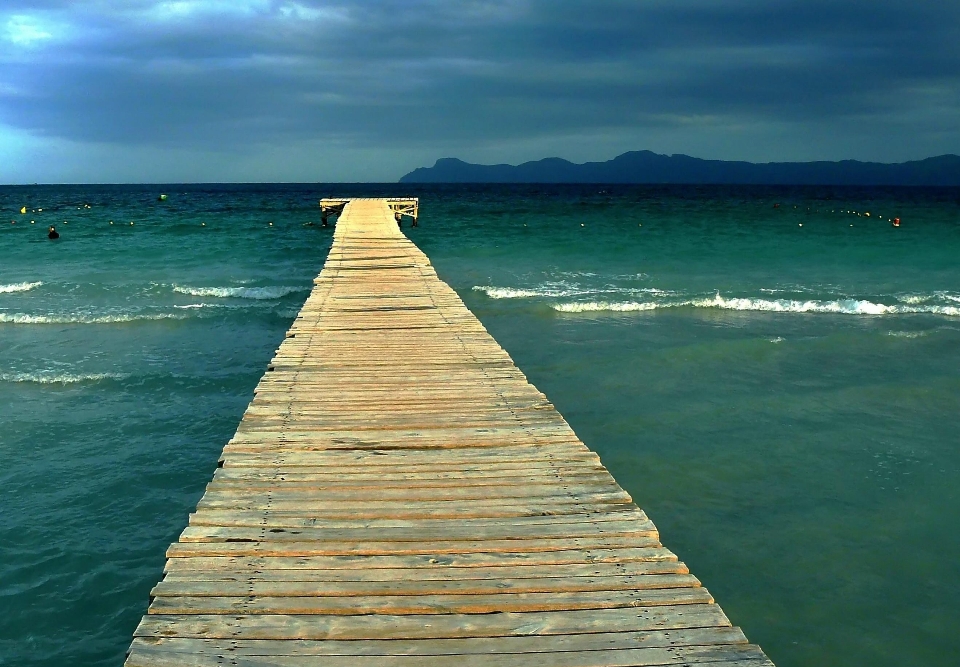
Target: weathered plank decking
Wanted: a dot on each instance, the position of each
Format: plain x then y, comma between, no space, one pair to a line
398,494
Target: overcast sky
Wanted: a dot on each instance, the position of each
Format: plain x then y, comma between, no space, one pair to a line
251,90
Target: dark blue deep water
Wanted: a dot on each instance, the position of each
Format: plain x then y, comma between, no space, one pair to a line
777,386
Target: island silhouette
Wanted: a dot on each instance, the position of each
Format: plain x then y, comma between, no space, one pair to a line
650,167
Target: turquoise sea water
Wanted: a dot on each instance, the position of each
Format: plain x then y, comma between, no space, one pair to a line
777,387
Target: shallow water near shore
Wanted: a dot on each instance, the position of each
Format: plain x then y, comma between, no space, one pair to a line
776,386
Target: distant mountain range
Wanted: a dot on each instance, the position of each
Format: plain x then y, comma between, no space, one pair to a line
649,167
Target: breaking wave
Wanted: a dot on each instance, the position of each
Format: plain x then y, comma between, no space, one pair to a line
240,292
840,306
522,293
23,318
926,298
63,378
18,287
506,292
561,292
194,306
619,307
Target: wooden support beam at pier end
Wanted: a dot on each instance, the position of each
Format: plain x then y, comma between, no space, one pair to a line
401,206
398,494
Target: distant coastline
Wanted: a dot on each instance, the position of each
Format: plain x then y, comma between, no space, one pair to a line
648,167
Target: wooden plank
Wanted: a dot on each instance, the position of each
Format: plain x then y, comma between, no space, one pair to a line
596,641
428,481
369,507
221,569
273,547
603,490
505,584
413,510
724,655
300,518
422,534
429,604
536,495
186,559
432,626
397,462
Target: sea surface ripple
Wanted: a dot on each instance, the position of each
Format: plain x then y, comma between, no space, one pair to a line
772,374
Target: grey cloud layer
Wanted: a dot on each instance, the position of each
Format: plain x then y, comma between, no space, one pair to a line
417,73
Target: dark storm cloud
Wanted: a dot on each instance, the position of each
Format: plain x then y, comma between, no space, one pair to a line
415,73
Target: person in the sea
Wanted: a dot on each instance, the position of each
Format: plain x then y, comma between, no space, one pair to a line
53,234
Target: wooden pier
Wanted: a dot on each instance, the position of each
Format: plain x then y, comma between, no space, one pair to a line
398,495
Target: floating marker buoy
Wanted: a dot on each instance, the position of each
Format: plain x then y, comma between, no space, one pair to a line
23,209
111,222
867,214
33,222
203,224
162,198
801,224
131,223
270,223
581,224
896,222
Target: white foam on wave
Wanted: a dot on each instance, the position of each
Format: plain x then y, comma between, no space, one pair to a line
940,296
194,306
547,292
610,306
24,318
949,297
840,306
846,306
507,292
61,378
906,334
522,293
274,292
914,298
650,290
19,287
